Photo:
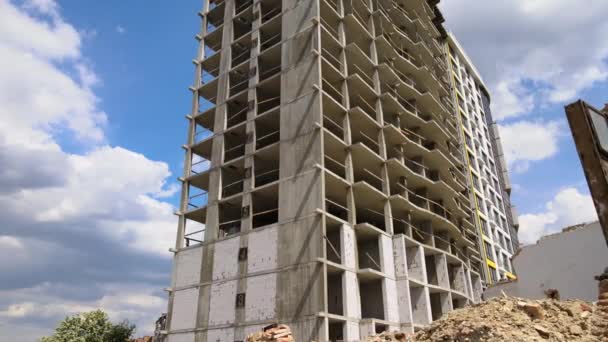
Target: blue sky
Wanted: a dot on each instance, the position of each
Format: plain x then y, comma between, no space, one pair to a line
92,102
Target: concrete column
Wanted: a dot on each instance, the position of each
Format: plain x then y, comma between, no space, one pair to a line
416,263
441,266
421,305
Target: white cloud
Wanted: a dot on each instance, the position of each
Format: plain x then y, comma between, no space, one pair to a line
120,29
567,208
10,242
525,142
85,230
139,304
532,52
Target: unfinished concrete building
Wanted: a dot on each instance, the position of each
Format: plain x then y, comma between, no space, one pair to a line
324,182
490,186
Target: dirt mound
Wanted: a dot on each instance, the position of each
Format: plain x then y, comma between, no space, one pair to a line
514,319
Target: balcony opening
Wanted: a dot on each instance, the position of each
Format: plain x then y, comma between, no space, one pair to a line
230,217
212,43
201,133
266,167
370,216
241,5
233,176
336,331
358,33
210,69
270,9
436,301
270,63
335,198
335,159
397,180
458,303
364,130
401,222
331,53
268,95
333,117
234,143
333,246
194,233
331,84
206,103
369,253
267,129
236,110
241,51
239,80
359,10
431,270
197,198
361,68
213,4
335,303
265,202
330,19
242,23
270,35
215,17
199,164
369,173
373,304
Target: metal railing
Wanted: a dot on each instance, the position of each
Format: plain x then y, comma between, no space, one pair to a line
265,218
359,101
333,127
233,188
236,118
189,239
266,177
200,166
269,72
333,92
337,168
234,152
268,104
267,140
271,14
331,59
336,209
199,200
242,6
202,135
269,42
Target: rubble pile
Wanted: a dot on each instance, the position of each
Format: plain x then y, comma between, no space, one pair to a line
272,333
514,319
390,336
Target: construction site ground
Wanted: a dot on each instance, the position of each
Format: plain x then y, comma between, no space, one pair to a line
502,319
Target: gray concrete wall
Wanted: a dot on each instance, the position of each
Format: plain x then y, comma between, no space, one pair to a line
566,261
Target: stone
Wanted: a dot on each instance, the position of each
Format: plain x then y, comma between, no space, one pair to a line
576,330
535,311
542,331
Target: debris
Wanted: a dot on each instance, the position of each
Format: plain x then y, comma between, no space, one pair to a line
534,310
516,319
576,330
542,331
552,294
272,333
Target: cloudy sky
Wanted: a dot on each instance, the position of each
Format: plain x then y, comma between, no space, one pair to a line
88,89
